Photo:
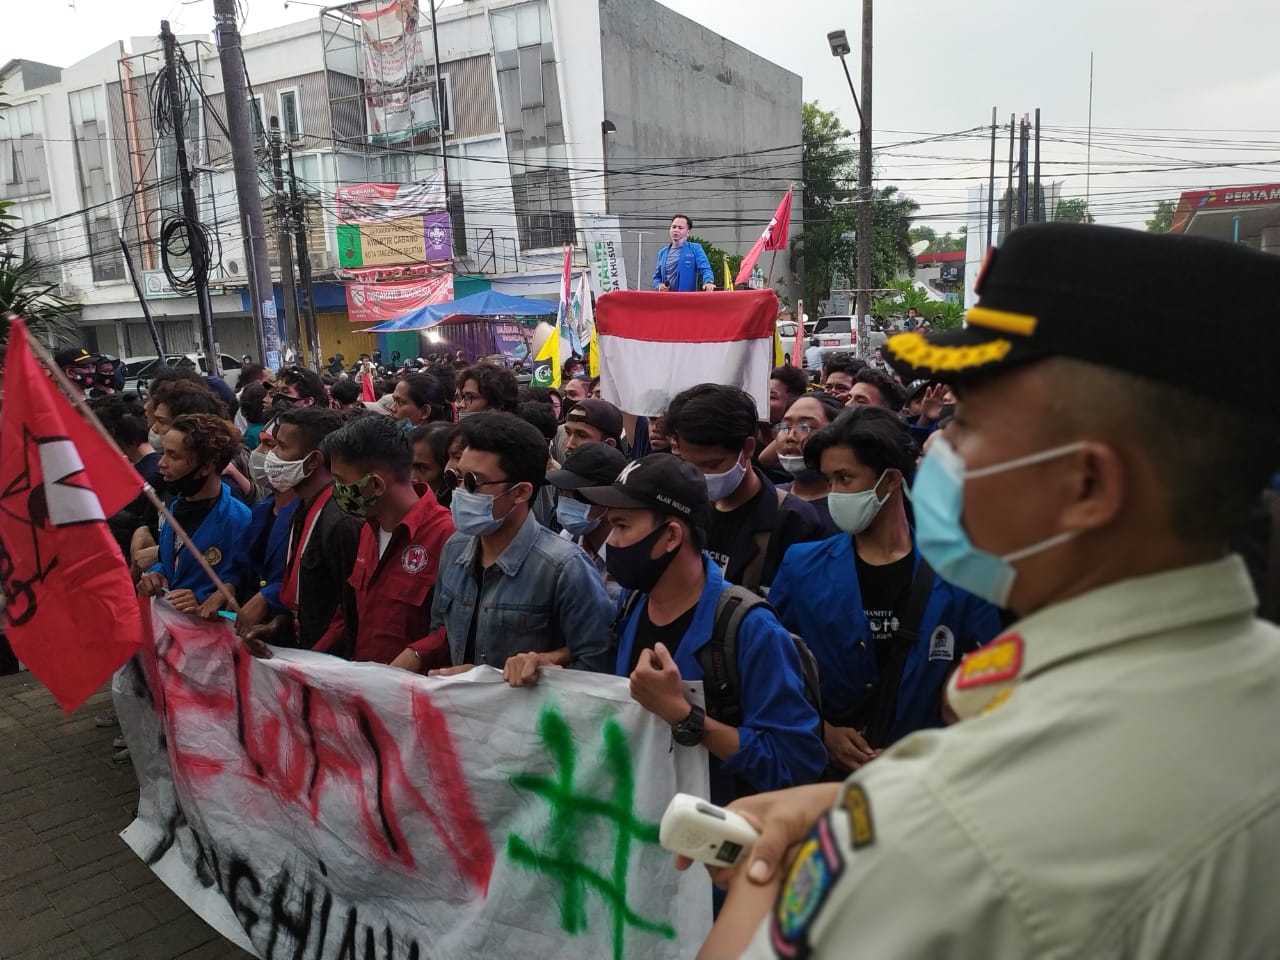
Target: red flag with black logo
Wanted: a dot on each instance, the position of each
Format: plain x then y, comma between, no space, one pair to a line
70,612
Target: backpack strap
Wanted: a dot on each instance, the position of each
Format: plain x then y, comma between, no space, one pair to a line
904,640
719,658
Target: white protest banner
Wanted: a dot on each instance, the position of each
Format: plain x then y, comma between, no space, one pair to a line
310,807
603,237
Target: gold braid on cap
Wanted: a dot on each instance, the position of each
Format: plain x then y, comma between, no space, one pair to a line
914,349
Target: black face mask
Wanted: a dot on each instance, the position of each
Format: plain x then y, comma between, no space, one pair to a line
189,484
633,568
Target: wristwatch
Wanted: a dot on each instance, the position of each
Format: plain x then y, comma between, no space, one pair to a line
688,732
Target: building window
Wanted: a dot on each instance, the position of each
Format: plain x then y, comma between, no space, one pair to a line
290,119
256,121
104,249
544,208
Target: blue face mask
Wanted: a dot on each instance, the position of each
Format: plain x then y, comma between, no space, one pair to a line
473,513
572,515
937,497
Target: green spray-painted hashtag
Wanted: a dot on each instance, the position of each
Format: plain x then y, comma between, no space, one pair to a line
562,860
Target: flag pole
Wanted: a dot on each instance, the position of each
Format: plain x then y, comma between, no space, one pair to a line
86,411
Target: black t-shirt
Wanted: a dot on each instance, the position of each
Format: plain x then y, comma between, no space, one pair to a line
728,534
190,514
477,571
885,590
649,634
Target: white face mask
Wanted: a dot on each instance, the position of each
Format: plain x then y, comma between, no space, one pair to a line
156,440
722,485
792,465
284,474
854,512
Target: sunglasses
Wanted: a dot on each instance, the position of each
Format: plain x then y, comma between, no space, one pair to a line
471,483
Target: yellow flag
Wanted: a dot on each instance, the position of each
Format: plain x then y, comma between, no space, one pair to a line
728,280
779,358
593,350
551,351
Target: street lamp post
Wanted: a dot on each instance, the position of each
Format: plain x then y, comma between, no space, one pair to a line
839,43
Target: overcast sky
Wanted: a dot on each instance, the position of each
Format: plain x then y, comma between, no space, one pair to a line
1175,83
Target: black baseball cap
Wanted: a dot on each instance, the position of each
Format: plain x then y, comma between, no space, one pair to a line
1143,303
593,464
601,414
658,482
72,356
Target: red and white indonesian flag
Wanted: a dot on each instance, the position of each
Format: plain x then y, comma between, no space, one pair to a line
653,345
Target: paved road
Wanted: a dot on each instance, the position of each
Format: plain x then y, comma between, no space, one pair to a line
70,888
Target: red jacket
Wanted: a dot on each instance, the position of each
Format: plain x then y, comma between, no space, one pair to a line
393,594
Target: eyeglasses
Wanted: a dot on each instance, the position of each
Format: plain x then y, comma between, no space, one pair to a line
782,429
467,399
471,483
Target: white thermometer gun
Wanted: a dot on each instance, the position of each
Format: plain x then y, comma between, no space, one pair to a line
704,832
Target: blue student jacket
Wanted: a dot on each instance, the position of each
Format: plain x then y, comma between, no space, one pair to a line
266,547
694,270
817,596
220,537
778,743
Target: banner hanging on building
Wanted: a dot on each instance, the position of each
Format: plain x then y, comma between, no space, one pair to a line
309,806
604,248
384,224
391,48
377,302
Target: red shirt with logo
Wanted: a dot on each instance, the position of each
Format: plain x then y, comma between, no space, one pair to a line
393,592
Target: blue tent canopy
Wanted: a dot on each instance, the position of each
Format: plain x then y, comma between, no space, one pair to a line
487,303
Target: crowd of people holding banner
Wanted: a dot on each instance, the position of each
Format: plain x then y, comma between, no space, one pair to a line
460,518
448,517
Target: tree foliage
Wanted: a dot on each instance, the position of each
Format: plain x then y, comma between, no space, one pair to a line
1162,218
829,241
830,170
947,243
717,257
1072,210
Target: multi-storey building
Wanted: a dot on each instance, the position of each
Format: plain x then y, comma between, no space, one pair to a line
563,121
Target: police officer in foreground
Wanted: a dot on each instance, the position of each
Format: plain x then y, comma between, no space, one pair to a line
1113,786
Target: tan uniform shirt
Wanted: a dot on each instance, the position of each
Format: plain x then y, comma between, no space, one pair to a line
1112,791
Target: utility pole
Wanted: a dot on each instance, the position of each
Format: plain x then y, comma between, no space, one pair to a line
261,296
307,299
866,209
284,244
991,184
189,211
441,119
1039,197
1008,193
1024,132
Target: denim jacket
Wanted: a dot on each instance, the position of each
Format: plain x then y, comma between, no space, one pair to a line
540,594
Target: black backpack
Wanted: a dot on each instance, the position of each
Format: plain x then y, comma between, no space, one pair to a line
721,684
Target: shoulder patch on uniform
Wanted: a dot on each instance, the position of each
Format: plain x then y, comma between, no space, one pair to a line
999,660
414,559
942,644
862,832
214,556
809,881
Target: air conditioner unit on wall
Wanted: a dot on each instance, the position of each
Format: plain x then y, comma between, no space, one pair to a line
322,261
234,267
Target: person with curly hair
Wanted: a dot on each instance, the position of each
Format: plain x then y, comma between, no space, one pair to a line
197,448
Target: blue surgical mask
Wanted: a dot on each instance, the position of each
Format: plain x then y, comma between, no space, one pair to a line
721,485
473,513
937,497
573,516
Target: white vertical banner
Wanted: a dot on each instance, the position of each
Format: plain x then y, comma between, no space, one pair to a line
603,237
